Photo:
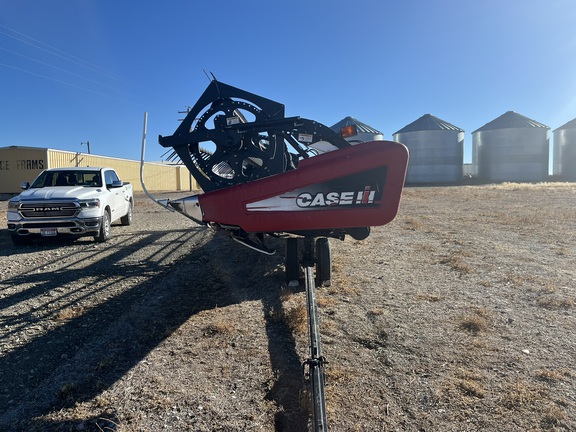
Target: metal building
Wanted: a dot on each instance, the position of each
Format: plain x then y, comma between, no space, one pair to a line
19,164
511,148
564,157
436,150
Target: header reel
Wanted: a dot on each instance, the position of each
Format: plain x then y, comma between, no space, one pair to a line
231,136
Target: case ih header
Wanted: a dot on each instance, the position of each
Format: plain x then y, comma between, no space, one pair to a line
263,174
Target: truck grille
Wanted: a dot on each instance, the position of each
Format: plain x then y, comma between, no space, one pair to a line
37,210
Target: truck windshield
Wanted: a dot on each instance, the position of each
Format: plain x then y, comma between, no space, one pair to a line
68,178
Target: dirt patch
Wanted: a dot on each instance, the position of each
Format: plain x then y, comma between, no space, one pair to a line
459,315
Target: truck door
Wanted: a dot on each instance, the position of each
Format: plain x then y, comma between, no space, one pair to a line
117,201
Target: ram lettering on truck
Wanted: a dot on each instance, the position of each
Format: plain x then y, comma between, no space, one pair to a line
72,202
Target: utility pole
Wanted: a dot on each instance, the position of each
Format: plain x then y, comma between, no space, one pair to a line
86,143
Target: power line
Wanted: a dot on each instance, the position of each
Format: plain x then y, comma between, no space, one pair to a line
64,55
66,83
22,38
61,69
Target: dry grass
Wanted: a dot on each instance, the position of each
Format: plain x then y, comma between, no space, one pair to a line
554,417
296,318
428,297
218,324
376,312
479,342
512,186
518,280
412,224
473,324
457,263
337,374
460,389
476,322
472,388
550,375
294,312
70,313
556,302
218,328
325,300
520,395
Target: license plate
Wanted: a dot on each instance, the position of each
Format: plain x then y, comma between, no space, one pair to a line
48,232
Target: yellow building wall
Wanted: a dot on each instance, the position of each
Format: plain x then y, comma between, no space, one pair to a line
18,164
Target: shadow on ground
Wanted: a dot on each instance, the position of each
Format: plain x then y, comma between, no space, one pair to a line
81,357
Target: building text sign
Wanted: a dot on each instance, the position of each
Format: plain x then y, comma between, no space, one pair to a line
22,164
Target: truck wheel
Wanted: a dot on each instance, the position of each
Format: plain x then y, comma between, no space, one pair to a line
104,233
127,218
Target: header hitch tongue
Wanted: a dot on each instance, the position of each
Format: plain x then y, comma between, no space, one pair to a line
189,206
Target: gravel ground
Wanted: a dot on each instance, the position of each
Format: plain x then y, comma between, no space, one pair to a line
460,315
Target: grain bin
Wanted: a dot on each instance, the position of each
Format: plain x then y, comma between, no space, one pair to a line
436,150
365,133
511,148
565,151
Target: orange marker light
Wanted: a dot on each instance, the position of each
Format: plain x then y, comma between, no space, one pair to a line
348,131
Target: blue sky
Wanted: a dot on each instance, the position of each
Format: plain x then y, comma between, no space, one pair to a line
73,71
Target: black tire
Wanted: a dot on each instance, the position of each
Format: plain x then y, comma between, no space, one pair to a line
127,218
323,262
292,260
104,232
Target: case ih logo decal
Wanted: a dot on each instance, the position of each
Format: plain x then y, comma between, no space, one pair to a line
306,199
356,190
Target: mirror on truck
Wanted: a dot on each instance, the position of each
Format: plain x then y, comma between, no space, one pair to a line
115,184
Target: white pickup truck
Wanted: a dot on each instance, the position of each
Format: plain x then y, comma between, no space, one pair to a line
74,202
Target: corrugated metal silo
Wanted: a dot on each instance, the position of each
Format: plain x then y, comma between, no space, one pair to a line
565,151
365,133
511,148
436,150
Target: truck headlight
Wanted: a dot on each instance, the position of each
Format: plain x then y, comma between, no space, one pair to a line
13,204
90,203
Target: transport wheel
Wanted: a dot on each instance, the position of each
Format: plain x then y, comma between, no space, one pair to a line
323,262
292,262
127,218
104,233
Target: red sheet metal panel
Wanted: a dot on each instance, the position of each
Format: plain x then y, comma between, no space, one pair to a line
357,186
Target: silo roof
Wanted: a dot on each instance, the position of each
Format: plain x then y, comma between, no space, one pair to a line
360,127
511,119
570,125
428,122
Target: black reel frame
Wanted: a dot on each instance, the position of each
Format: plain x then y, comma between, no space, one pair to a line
250,134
